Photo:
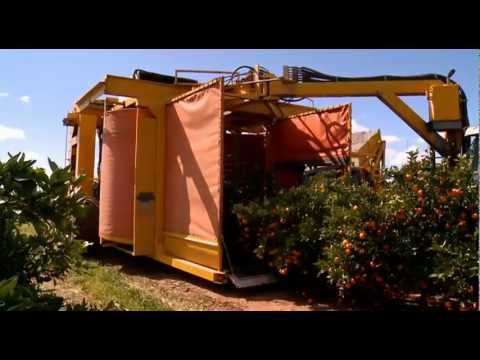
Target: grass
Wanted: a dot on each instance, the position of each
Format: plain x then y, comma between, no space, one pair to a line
107,286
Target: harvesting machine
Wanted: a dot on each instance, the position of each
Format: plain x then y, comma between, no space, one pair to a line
166,146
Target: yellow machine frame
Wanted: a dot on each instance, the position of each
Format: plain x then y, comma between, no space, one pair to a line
260,96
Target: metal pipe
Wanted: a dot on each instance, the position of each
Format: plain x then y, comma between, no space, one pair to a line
257,81
203,71
199,71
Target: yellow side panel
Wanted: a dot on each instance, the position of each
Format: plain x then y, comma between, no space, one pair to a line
445,103
199,251
155,102
199,257
144,206
192,268
160,174
86,151
116,239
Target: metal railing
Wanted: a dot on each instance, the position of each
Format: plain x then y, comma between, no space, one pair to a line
192,71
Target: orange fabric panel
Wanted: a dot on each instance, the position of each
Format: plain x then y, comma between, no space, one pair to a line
117,172
193,163
315,136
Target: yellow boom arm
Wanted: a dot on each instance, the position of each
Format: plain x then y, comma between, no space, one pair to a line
443,97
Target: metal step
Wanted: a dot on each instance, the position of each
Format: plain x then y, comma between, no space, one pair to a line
242,282
128,249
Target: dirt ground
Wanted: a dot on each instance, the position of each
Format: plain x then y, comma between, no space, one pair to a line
182,291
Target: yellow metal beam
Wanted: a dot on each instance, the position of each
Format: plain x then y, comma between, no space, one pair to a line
86,151
71,119
122,86
261,107
416,123
387,91
351,88
90,96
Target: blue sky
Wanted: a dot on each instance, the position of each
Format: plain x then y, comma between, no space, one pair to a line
38,87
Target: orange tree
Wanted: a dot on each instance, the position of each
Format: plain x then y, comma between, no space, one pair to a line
285,228
415,232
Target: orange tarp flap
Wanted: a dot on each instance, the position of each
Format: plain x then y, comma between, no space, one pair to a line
193,164
118,174
323,135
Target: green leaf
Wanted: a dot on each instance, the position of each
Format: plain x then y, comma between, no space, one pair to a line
13,157
53,166
7,286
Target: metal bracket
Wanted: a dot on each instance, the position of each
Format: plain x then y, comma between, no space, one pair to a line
146,196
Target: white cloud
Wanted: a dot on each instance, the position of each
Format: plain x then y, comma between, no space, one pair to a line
391,138
357,127
396,157
32,155
3,94
25,99
8,133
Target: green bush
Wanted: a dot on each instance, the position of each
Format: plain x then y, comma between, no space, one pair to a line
38,216
15,297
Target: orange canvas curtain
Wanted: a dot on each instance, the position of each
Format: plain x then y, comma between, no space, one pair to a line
118,174
193,163
323,136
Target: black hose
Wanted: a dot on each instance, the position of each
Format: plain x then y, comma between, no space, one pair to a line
235,72
314,75
292,99
140,74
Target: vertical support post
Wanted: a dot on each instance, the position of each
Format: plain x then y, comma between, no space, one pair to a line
455,140
85,159
158,109
71,147
145,181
